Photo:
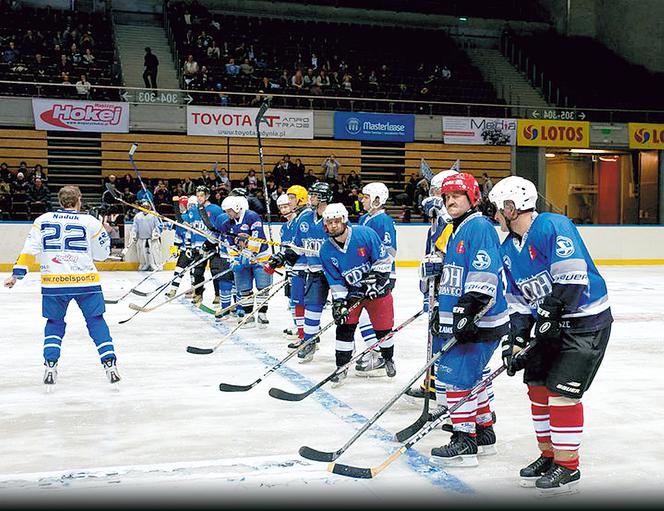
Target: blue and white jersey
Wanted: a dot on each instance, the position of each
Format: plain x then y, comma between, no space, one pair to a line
472,264
552,252
182,235
251,224
346,266
383,225
311,235
194,218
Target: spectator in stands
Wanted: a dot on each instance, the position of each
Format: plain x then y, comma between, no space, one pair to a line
247,69
297,81
309,179
421,193
204,180
224,180
405,214
190,70
487,185
353,180
411,187
445,73
38,172
145,194
204,41
280,173
88,57
75,54
250,182
150,68
21,184
11,53
39,193
23,167
64,66
331,169
297,172
107,197
161,194
178,190
373,80
224,99
87,42
129,183
83,87
347,82
309,79
213,52
39,68
4,171
284,80
232,69
5,198
355,204
189,186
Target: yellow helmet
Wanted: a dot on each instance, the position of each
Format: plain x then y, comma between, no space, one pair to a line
300,193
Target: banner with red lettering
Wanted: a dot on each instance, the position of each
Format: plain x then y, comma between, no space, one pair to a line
83,116
645,135
240,122
541,133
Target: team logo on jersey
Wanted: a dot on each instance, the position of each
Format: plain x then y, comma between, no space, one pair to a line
451,282
304,227
362,252
335,261
507,261
564,246
482,260
387,239
532,252
461,247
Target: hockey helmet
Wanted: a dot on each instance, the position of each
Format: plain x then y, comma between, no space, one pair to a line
239,192
376,191
518,190
235,203
300,192
336,210
322,190
438,179
463,182
283,200
203,189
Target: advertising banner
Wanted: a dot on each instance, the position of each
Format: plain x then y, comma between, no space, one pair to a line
240,122
366,126
479,131
72,115
539,133
645,135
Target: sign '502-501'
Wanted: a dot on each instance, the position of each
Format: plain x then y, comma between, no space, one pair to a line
544,133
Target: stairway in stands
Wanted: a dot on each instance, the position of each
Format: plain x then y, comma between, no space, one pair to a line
75,159
384,162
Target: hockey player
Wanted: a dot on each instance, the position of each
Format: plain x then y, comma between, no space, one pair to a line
66,243
247,256
553,284
182,243
358,267
205,217
374,197
146,233
471,285
310,234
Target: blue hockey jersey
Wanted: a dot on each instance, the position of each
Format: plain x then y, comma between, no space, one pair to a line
472,264
214,213
383,225
311,235
552,252
346,266
249,223
288,231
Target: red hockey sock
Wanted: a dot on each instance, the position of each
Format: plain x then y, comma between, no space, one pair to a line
299,320
539,409
464,418
566,430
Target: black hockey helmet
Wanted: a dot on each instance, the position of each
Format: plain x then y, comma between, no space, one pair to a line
204,189
323,190
239,192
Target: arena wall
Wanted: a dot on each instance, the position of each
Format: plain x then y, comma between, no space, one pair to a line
609,245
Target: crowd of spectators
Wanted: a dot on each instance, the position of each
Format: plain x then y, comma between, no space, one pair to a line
24,192
69,48
224,54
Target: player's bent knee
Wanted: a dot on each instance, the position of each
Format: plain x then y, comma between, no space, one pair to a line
563,401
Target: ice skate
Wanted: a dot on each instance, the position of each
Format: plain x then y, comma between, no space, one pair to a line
50,374
558,480
372,364
111,371
486,441
306,354
390,368
534,471
216,300
339,379
460,452
171,293
290,333
262,322
249,323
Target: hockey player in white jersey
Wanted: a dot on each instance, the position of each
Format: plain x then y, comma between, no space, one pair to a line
146,232
65,243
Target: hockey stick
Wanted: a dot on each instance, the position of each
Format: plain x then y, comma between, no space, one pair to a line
132,151
299,250
259,116
368,473
424,416
289,396
132,290
220,313
228,387
184,271
208,351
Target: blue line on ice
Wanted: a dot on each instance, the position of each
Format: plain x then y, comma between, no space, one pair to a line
416,461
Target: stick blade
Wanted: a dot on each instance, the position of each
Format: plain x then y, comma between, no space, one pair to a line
316,455
199,351
409,431
229,387
137,308
205,308
111,302
140,293
350,471
284,395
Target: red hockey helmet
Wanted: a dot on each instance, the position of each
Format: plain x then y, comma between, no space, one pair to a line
462,182
183,201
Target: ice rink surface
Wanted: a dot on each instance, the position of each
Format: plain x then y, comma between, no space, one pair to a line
170,432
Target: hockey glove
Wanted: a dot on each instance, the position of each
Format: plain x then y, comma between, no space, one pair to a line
189,252
431,266
274,262
156,235
376,284
511,346
463,316
434,322
340,311
549,313
210,246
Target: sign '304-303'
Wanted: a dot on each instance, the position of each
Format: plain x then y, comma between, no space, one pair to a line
541,133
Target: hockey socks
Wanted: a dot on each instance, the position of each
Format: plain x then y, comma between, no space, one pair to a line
299,320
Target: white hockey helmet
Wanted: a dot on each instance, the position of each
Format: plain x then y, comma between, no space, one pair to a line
192,201
336,210
518,190
376,191
283,200
235,203
437,180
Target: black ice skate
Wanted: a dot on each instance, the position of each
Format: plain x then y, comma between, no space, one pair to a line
50,374
111,371
261,321
339,379
296,344
420,393
291,334
370,364
534,471
306,354
558,480
486,440
390,369
460,452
